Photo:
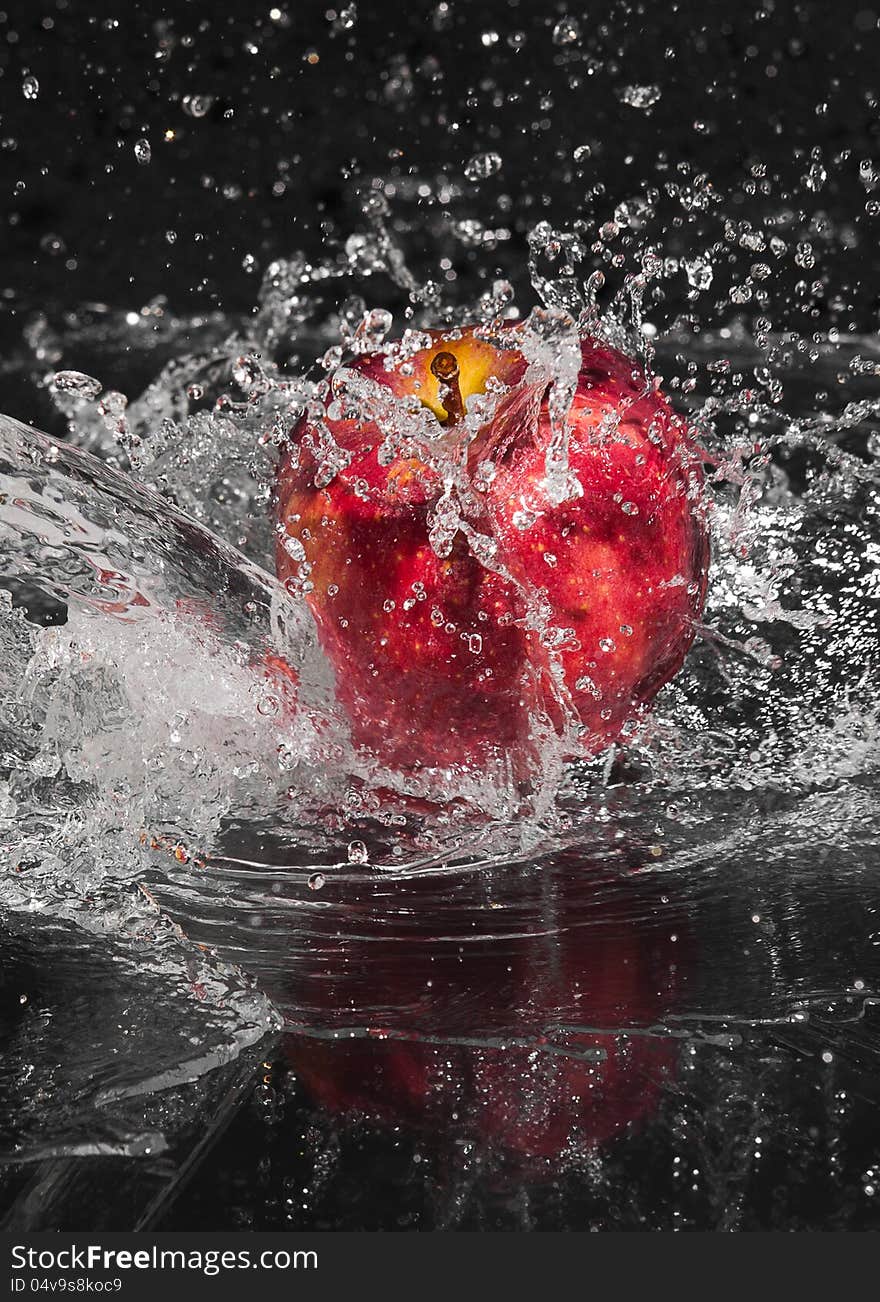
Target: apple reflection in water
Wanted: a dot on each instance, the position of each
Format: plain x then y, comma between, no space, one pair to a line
537,1045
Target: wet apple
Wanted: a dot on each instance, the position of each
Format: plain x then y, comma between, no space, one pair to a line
469,600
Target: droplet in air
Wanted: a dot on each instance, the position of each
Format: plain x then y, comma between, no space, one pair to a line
815,177
567,32
640,97
76,383
249,375
30,87
53,244
197,106
482,166
142,151
375,326
316,881
345,19
699,272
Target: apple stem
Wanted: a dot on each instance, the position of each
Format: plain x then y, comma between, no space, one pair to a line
444,366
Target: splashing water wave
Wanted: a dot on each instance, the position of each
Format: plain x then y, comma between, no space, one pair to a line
175,726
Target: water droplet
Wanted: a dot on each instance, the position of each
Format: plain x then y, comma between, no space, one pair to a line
374,327
197,106
441,17
76,383
53,244
629,508
699,272
113,405
250,377
345,19
523,519
294,548
815,177
607,644
316,881
142,151
482,166
553,638
640,97
567,32
30,87
586,684
268,706
475,644
357,852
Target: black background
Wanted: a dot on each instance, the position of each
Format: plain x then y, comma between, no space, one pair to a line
408,91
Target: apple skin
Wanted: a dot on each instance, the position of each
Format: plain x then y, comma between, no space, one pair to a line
439,658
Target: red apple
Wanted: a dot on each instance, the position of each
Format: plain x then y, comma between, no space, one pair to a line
466,604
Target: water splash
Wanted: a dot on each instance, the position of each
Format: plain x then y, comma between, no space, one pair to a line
176,724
